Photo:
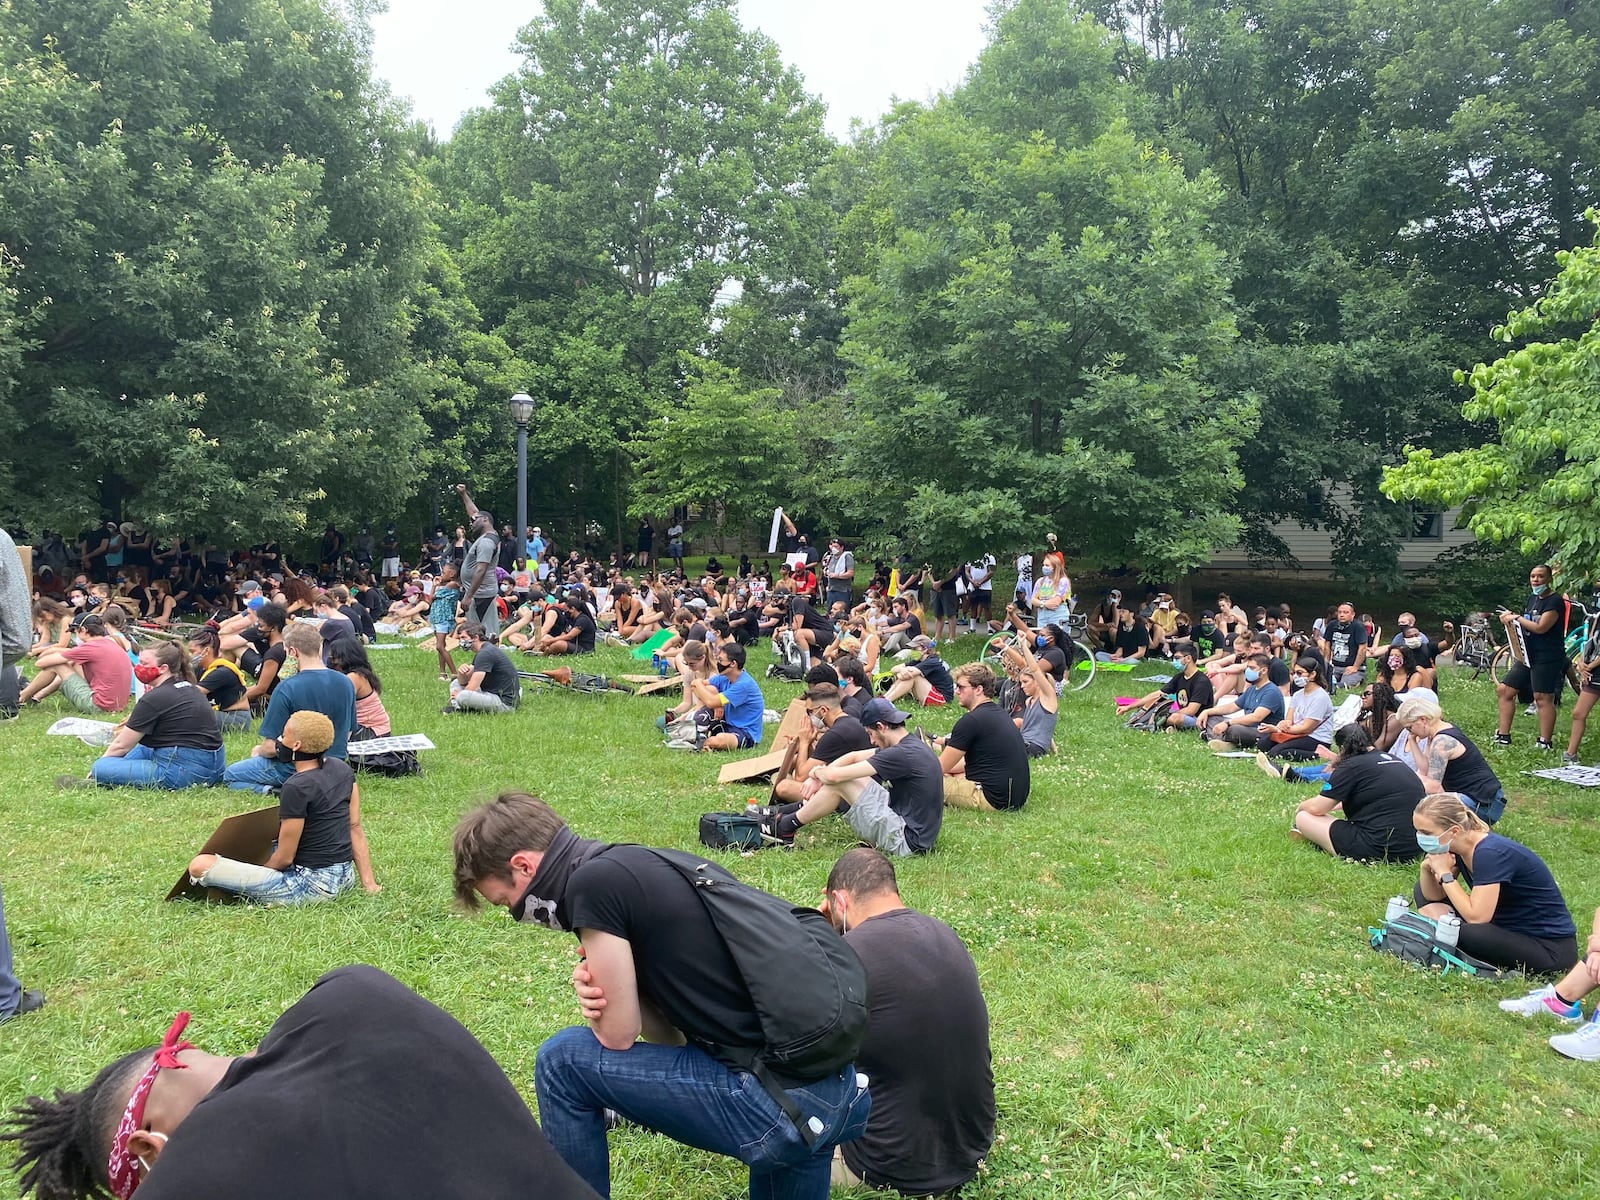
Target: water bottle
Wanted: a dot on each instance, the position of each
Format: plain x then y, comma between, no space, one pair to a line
1398,906
1449,929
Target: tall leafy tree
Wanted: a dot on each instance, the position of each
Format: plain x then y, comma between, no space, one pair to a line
217,229
1043,323
1532,487
640,159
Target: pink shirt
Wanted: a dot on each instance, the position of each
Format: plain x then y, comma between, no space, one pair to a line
108,670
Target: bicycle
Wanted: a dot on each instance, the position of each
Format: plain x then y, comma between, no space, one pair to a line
1080,658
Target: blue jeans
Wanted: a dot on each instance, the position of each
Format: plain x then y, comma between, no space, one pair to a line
1491,810
692,1098
10,989
171,768
262,885
255,774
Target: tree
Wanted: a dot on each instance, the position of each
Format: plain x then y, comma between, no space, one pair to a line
725,450
1533,486
638,161
1039,335
217,230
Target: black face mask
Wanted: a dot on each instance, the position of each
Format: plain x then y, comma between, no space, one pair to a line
285,755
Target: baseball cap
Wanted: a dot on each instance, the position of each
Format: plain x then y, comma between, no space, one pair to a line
923,642
247,587
881,712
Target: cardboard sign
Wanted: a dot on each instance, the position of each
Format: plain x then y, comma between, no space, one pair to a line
246,838
793,725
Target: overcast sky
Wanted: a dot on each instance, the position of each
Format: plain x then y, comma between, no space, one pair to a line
858,55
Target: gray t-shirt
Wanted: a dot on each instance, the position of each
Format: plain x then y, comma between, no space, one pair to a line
1307,705
485,550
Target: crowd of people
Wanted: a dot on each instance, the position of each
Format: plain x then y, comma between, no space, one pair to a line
678,1035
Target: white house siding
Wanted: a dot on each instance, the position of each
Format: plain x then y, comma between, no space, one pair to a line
1313,548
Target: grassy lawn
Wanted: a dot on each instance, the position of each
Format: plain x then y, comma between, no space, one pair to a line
1183,1002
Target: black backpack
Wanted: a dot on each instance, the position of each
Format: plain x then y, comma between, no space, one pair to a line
1414,938
730,831
808,986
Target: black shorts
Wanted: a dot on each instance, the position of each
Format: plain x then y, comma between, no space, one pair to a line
822,639
944,603
1350,841
716,727
1540,678
981,599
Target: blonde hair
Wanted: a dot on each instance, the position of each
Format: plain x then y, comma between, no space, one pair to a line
1445,809
313,729
1416,709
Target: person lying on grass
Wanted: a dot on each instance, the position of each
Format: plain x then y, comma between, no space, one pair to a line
426,1112
1562,1001
321,846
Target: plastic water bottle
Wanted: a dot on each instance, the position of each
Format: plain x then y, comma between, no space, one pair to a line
1398,905
1449,929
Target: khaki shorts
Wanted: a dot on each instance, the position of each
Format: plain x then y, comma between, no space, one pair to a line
78,693
961,792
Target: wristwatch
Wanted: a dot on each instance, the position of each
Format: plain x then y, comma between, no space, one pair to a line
1447,877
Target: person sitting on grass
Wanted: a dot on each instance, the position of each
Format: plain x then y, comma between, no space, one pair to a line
1187,694
170,740
312,686
1512,913
442,618
350,660
577,635
222,681
829,735
1237,720
926,678
432,1114
1453,763
1562,1001
1041,706
1377,792
734,700
1225,670
984,760
855,685
1129,639
895,791
489,682
95,676
1307,724
321,847
693,662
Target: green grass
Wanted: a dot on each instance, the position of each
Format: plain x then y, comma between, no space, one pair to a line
1183,1002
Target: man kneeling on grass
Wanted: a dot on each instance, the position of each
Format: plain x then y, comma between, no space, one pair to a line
425,1112
895,790
321,845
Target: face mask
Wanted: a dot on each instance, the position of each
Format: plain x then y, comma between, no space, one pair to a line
1432,845
1395,663
1251,674
77,602
1300,681
1541,589
1041,641
283,753
146,673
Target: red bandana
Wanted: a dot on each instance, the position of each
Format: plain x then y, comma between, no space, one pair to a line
125,1170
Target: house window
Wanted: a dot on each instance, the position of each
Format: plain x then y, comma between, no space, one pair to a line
1424,525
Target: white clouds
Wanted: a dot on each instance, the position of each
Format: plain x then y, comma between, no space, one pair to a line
855,54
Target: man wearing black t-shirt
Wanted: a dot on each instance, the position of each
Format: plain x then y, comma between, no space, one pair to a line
1189,692
577,630
895,790
928,1064
902,627
1344,646
430,1113
984,760
838,736
651,964
1539,627
489,682
926,678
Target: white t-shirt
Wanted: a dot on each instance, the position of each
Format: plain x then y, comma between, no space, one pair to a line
981,572
1025,573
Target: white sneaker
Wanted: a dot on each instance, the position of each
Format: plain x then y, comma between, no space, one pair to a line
1537,1003
1583,1045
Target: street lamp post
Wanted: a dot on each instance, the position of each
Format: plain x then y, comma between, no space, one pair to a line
522,413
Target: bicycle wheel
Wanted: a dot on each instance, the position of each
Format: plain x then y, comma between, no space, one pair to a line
1080,671
1500,664
996,646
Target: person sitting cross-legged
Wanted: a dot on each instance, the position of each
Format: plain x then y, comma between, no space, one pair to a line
895,790
1187,693
96,676
171,739
1306,728
321,847
489,682
734,699
1236,720
312,687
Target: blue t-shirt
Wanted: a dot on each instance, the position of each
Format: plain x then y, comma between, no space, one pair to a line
324,691
744,704
1530,902
1262,695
